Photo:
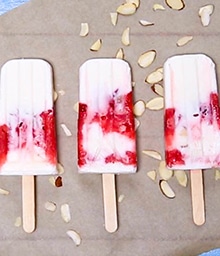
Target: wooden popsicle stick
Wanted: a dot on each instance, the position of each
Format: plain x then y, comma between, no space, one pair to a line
110,206
28,203
198,205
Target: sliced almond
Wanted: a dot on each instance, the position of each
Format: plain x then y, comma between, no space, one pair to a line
114,18
126,37
121,198
55,96
139,108
60,168
158,7
184,40
96,45
205,12
84,31
66,130
152,175
166,189
217,174
50,206
120,54
4,192
156,103
152,153
76,107
136,2
158,89
74,236
176,4
65,212
181,177
147,58
52,180
155,77
137,123
127,9
18,222
146,23
164,172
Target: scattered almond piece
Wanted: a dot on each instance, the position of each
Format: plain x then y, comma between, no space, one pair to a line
126,37
158,89
156,103
136,2
152,175
58,182
65,212
18,222
153,154
121,198
184,40
74,236
181,177
52,180
158,7
155,77
55,96
114,18
66,130
84,31
164,172
205,12
50,206
139,108
76,107
147,58
146,23
127,9
60,168
96,45
166,189
4,192
120,54
136,123
217,174
175,4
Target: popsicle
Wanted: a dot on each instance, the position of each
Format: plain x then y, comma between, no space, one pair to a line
106,133
192,121
27,127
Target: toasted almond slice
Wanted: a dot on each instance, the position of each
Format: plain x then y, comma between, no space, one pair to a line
166,189
136,2
147,58
55,96
76,107
139,108
152,175
4,192
158,89
126,37
205,12
156,103
120,54
65,212
60,168
74,236
127,9
181,177
146,23
18,222
184,40
164,172
158,7
84,31
96,45
136,123
66,130
121,198
50,206
153,154
217,174
176,4
52,180
114,18
155,77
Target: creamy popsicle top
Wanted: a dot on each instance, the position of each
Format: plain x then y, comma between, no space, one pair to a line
192,113
27,123
106,135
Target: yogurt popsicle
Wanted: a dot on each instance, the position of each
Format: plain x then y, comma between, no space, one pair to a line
192,117
106,133
27,126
